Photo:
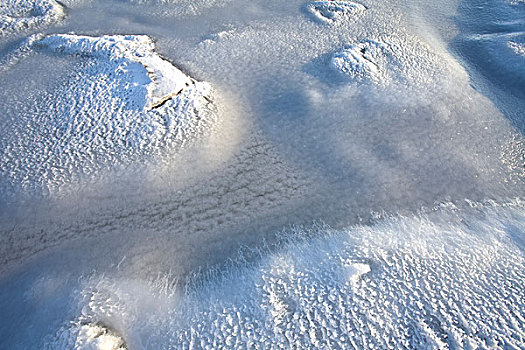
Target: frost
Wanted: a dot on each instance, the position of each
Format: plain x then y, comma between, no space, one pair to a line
449,278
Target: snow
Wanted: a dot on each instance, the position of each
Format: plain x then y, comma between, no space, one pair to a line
20,15
263,173
123,102
334,11
156,79
445,278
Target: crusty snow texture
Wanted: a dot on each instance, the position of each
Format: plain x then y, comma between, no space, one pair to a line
333,11
443,280
19,15
125,101
389,61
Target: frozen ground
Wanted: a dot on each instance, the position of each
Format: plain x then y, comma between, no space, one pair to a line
142,141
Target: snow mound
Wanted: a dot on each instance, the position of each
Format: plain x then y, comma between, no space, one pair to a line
334,11
364,61
91,337
19,15
447,279
123,103
402,62
157,79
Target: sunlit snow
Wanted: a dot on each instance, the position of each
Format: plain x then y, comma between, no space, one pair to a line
231,174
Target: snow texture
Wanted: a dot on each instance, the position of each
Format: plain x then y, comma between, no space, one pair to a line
400,62
334,11
20,15
444,279
124,102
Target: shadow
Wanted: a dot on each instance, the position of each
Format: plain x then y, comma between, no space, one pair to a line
486,27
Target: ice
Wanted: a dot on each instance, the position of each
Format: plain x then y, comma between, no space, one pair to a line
19,15
334,11
123,102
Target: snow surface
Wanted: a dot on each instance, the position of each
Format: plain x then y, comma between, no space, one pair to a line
334,11
20,15
330,111
123,102
442,279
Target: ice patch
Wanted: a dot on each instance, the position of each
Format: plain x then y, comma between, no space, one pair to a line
19,15
334,11
125,102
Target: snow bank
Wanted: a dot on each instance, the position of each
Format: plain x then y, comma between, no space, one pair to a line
125,101
334,11
19,15
444,279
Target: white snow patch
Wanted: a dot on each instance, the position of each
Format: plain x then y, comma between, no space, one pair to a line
134,55
124,103
403,62
334,11
90,337
445,279
19,15
518,48
363,61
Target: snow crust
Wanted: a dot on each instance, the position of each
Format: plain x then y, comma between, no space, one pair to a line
334,11
132,55
124,102
19,15
396,61
440,280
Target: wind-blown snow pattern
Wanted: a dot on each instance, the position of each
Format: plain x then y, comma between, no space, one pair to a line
334,11
444,279
19,15
124,102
